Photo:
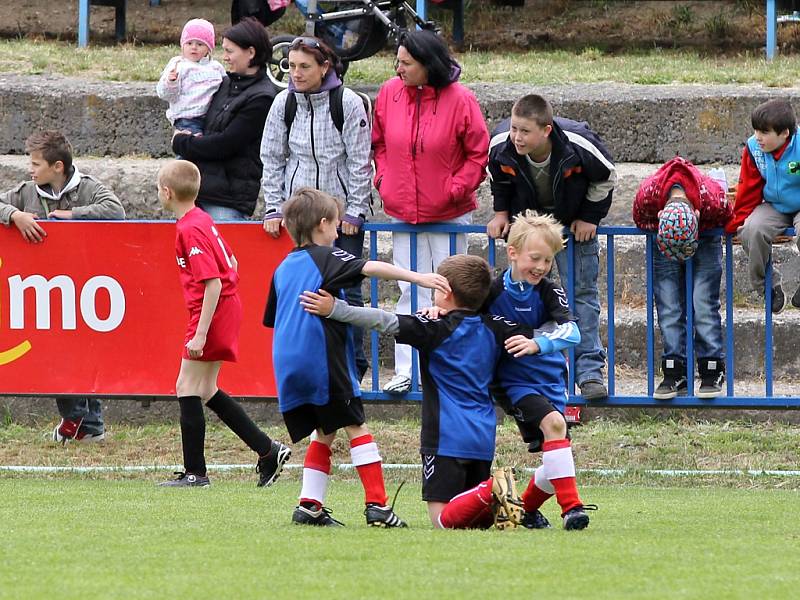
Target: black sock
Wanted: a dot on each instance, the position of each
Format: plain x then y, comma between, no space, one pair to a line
193,434
232,414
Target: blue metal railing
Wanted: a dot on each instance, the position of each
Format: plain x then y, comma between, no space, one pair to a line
728,400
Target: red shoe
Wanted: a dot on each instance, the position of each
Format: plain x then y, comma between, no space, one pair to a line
572,415
70,429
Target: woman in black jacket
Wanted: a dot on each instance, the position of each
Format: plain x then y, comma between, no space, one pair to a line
228,153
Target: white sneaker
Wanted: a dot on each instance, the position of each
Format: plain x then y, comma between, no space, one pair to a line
399,384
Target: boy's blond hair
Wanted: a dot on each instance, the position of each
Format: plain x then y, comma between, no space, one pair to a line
182,178
530,223
304,211
53,146
469,278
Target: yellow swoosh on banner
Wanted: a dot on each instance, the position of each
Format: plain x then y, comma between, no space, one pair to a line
17,351
14,353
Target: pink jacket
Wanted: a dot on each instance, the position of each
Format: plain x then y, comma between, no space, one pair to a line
431,149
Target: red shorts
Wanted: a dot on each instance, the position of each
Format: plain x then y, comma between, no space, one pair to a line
222,341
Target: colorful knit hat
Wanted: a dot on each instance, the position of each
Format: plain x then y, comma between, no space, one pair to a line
200,30
678,230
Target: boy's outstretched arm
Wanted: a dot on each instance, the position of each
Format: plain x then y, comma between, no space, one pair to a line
323,304
195,345
384,270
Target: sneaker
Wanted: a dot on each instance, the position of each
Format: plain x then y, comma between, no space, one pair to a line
593,390
382,516
712,375
507,505
186,480
572,415
576,518
70,429
671,386
778,300
269,467
535,520
399,384
320,517
796,298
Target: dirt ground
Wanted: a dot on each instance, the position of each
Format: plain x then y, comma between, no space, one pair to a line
729,25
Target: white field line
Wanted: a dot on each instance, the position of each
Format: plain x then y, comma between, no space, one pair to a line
348,466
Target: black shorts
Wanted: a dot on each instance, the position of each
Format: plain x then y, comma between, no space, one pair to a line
528,414
444,477
305,419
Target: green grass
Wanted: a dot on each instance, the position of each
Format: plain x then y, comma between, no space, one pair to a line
145,63
70,537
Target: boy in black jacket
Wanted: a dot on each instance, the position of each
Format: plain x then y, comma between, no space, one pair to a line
559,167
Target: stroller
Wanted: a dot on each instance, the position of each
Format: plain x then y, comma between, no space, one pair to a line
354,29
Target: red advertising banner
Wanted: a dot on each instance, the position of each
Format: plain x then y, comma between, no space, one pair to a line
97,309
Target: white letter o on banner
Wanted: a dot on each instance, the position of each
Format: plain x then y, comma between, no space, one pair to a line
117,301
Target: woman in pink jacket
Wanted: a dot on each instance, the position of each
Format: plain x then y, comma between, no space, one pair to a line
431,149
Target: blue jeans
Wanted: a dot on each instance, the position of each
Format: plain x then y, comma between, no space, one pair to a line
670,294
354,244
194,124
222,213
88,409
590,356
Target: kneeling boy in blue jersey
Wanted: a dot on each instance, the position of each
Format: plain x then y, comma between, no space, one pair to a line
314,359
458,356
532,389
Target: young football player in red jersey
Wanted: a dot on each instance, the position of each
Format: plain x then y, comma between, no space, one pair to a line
208,274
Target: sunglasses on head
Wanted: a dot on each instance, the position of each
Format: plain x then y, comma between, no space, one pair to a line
308,42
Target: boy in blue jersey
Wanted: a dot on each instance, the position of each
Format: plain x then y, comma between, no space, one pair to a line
458,356
532,389
314,359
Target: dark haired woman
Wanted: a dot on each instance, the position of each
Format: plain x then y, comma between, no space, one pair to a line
227,154
431,144
312,152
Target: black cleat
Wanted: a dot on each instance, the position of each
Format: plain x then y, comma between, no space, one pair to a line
593,390
535,520
382,516
186,480
778,300
320,517
576,518
269,467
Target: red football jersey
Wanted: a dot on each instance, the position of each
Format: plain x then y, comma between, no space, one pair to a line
202,254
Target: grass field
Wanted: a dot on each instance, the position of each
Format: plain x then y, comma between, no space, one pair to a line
657,66
116,535
71,537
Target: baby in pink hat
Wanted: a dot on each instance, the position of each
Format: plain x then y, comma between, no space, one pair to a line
190,80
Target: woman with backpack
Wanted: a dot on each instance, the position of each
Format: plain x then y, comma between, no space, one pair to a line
431,148
317,135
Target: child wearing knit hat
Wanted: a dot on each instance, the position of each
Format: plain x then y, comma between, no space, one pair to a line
679,203
190,80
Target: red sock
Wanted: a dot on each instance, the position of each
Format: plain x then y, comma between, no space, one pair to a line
316,473
469,509
539,490
365,457
560,470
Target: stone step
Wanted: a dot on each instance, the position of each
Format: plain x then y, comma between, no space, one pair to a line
640,123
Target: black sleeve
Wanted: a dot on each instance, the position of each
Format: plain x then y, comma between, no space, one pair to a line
272,306
504,329
422,333
555,301
494,291
246,127
339,269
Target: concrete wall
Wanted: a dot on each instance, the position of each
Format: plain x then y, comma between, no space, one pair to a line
641,123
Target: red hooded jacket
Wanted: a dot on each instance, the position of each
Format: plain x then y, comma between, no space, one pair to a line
705,194
431,149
